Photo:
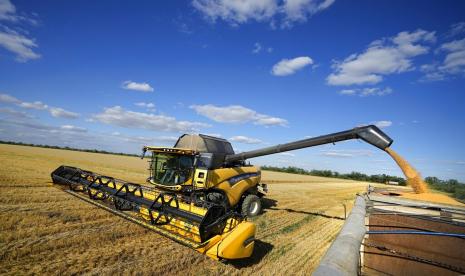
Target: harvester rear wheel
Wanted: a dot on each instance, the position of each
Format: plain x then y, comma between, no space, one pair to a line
251,206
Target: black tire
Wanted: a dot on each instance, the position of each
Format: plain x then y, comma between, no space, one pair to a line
251,206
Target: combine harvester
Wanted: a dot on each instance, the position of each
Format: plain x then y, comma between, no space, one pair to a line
200,191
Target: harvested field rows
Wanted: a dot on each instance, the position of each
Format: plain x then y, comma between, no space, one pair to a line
46,231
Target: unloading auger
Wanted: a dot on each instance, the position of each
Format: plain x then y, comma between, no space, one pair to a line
199,193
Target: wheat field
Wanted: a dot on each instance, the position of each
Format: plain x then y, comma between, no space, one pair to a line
46,231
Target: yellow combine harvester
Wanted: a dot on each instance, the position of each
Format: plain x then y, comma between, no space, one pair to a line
200,194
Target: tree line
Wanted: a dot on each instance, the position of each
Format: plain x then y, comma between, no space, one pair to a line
451,186
376,178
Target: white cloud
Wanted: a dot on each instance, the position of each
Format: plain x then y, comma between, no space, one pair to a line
18,44
129,119
5,98
287,154
69,135
301,10
236,12
289,66
7,11
35,105
382,124
346,153
237,114
18,41
367,91
348,92
383,57
257,48
61,113
146,140
38,105
245,140
228,114
272,11
73,128
137,86
453,63
149,106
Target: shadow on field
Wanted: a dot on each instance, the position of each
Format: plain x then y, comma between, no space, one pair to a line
268,203
261,249
307,213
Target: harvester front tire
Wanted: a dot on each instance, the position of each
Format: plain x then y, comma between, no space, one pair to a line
251,206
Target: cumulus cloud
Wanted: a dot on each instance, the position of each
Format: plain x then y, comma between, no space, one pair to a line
287,67
245,140
367,91
284,13
137,86
237,114
129,119
38,105
382,57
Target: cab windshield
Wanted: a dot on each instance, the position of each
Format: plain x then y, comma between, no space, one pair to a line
171,169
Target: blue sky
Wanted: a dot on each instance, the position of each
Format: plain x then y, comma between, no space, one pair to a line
117,75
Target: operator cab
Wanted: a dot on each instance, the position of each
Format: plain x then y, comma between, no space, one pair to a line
171,169
186,165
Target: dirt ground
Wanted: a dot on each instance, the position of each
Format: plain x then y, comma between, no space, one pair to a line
46,231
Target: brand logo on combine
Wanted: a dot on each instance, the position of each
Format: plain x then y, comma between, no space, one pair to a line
233,180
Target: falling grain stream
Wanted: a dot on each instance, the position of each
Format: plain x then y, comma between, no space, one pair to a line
413,177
